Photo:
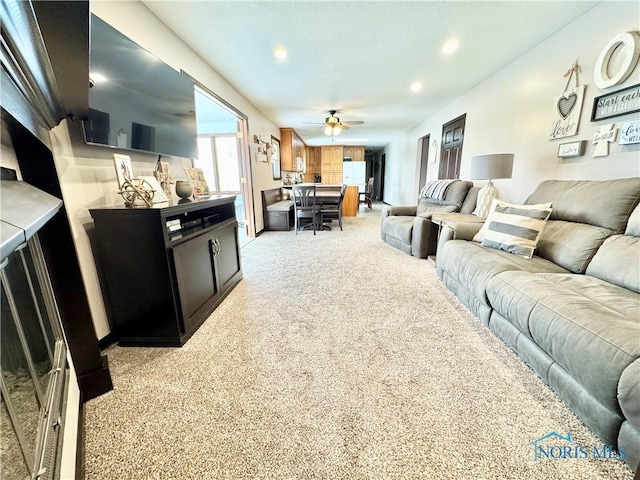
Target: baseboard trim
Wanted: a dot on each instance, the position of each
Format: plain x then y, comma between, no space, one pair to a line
80,444
95,383
106,341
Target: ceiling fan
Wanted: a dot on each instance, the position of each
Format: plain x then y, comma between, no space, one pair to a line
333,126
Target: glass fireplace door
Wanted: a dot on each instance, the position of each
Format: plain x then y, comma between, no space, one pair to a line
33,365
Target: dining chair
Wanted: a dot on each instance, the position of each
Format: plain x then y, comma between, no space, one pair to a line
305,206
368,194
333,210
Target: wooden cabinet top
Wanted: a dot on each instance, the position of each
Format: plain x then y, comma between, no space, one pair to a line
166,210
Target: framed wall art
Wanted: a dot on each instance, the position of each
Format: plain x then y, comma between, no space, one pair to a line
566,113
614,104
571,149
630,133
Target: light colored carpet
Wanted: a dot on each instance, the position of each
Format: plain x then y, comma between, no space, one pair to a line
336,357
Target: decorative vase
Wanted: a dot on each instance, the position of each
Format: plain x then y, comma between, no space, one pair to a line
183,189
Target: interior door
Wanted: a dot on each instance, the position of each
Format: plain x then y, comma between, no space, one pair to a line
451,154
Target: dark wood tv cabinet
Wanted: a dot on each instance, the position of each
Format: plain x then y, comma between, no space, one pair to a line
166,268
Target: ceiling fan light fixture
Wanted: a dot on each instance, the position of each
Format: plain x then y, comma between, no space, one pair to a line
332,130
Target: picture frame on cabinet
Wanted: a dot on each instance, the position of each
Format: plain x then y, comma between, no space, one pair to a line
275,158
124,171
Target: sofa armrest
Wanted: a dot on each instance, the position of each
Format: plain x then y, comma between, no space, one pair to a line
424,237
402,210
458,231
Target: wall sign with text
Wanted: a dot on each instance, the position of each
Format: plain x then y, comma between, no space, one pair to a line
566,113
571,149
601,139
629,133
614,104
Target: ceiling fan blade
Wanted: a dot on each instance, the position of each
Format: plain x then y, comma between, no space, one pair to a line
353,122
314,123
343,126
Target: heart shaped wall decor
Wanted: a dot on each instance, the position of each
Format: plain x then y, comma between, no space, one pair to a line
566,104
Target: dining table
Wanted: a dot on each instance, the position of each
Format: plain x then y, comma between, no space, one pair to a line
325,195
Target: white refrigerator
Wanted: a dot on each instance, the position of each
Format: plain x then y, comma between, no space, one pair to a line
354,173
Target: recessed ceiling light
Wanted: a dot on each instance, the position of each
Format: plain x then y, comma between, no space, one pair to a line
416,87
450,47
97,77
280,53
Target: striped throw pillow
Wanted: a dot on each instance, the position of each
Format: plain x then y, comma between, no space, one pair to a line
515,228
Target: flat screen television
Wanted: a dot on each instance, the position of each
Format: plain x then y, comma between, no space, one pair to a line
135,100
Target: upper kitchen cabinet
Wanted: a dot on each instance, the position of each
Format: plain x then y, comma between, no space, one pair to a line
292,151
331,164
355,154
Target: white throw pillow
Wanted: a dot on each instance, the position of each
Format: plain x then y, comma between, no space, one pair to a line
514,228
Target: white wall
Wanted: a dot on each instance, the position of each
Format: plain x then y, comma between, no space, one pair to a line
511,112
87,174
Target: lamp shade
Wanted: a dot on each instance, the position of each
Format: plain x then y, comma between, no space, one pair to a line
488,167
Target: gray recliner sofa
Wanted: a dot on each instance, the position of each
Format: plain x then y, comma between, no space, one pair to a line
409,227
572,312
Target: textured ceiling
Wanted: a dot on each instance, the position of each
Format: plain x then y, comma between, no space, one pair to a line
359,58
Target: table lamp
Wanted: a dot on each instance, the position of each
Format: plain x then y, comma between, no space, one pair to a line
489,167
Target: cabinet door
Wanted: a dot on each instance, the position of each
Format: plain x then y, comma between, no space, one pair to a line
195,274
286,149
358,154
348,153
228,256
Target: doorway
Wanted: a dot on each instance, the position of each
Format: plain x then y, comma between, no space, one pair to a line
223,156
424,161
451,155
383,159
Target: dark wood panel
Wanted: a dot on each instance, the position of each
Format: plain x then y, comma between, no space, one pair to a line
162,285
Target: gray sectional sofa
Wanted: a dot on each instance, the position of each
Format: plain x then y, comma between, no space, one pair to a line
409,227
572,312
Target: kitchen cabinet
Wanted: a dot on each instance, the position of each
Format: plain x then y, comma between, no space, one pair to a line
331,164
355,154
292,151
165,269
314,162
358,154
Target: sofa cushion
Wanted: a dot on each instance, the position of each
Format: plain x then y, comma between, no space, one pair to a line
606,203
588,326
479,237
469,204
399,228
282,205
633,226
455,195
514,228
425,210
618,261
472,265
571,245
629,392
